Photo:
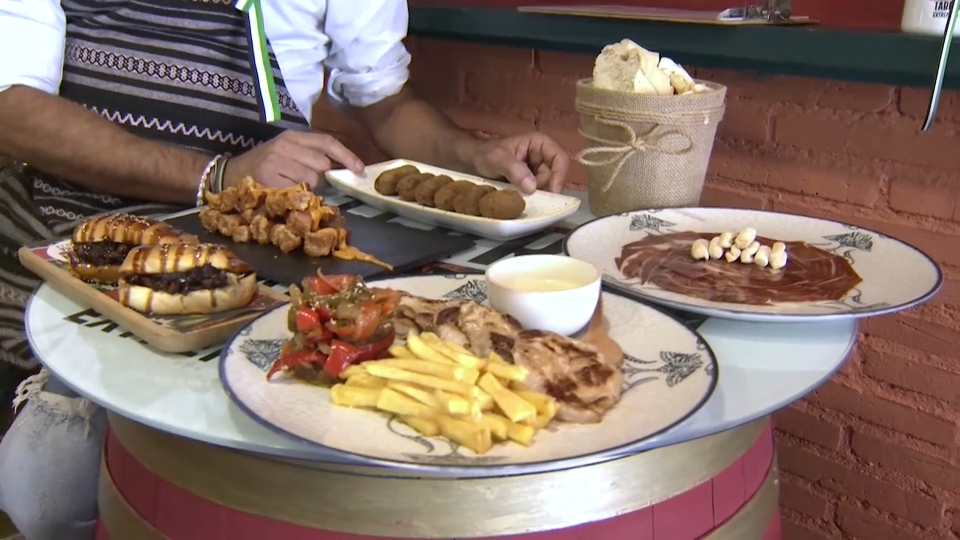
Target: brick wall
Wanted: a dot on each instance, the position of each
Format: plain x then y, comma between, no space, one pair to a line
873,454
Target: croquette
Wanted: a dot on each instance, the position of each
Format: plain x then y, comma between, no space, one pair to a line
427,190
467,202
446,194
502,204
386,183
407,186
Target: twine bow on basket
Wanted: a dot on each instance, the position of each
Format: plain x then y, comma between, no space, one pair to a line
618,152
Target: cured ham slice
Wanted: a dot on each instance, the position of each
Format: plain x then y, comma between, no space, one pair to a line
812,275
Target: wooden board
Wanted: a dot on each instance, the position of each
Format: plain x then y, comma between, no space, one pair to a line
403,247
173,334
686,16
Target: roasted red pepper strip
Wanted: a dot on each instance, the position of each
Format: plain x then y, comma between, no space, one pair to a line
388,300
320,335
306,320
385,295
374,350
363,325
366,322
324,313
344,354
341,355
326,285
295,358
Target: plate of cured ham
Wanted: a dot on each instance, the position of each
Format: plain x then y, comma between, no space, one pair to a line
755,266
447,382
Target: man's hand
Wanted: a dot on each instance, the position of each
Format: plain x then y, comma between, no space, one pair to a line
530,162
291,158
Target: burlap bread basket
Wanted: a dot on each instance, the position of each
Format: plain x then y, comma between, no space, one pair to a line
646,151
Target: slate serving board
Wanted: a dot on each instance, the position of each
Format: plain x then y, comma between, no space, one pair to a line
403,247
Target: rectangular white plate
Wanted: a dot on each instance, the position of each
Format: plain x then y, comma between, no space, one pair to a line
543,208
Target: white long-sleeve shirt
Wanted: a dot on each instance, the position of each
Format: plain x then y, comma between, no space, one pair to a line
358,40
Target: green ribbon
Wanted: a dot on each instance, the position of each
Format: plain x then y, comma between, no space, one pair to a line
263,76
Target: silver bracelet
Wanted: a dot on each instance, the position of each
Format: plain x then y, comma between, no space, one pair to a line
204,183
219,172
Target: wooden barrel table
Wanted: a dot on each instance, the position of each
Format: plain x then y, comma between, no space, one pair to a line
160,486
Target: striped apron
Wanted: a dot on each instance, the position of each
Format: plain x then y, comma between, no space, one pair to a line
177,71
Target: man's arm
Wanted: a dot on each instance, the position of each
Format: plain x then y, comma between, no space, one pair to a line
403,125
65,139
368,73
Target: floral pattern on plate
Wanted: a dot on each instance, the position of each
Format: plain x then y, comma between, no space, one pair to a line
669,373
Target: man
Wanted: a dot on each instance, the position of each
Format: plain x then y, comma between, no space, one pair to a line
121,103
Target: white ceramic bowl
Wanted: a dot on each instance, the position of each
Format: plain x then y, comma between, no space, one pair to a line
545,292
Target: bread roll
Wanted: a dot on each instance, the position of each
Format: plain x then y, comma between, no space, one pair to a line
617,66
173,258
238,293
680,80
628,67
101,243
92,273
129,229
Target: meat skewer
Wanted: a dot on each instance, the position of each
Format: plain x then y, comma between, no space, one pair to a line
291,218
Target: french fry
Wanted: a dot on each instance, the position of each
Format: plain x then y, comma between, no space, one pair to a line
420,348
449,345
423,396
465,358
396,374
444,371
350,371
495,358
521,434
509,372
366,380
540,421
453,350
427,428
470,375
545,404
454,404
546,407
498,425
394,402
439,388
476,437
399,351
354,396
513,406
485,400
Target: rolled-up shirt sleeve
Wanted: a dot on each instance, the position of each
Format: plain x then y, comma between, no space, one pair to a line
368,61
32,34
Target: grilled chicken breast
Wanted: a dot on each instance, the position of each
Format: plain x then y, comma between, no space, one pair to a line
573,372
477,327
487,330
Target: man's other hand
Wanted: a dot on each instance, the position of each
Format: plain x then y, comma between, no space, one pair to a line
530,162
291,158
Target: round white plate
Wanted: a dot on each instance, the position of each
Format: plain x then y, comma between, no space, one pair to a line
543,209
670,372
895,275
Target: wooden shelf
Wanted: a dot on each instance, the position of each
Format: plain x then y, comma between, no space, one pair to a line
878,57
